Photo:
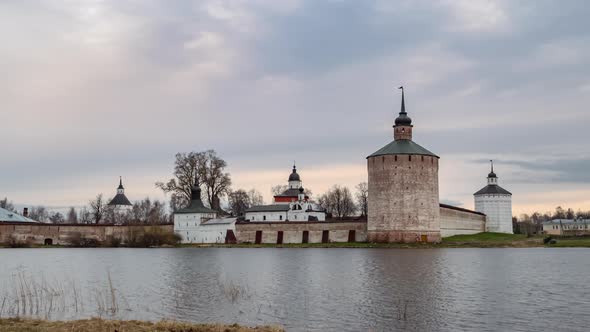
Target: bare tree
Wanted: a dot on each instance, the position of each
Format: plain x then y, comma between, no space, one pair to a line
338,201
176,203
147,211
72,216
255,197
97,209
186,168
39,213
56,218
362,197
239,201
5,204
279,189
85,217
209,170
216,180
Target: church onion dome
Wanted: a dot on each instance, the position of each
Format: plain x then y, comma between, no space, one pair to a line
402,147
301,190
294,176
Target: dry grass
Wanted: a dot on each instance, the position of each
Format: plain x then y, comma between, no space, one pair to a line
101,325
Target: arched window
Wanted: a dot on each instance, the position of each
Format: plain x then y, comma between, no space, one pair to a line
410,157
264,218
281,217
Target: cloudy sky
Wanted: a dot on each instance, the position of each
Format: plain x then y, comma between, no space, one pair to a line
90,90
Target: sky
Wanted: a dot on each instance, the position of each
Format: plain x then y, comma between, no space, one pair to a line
93,90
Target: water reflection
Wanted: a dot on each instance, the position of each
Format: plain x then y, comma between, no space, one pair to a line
328,289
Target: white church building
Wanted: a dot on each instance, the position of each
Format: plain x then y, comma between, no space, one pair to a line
291,205
496,203
200,224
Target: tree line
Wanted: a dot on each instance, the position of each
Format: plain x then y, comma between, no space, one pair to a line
532,223
209,171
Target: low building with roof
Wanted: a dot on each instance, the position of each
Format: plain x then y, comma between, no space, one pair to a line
11,216
197,223
293,204
496,203
566,227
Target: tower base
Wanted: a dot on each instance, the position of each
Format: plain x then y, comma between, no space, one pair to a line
404,236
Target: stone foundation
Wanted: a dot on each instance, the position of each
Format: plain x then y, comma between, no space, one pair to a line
403,237
293,232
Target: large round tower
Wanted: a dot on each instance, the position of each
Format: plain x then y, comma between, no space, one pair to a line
403,189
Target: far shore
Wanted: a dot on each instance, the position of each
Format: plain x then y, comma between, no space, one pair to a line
480,240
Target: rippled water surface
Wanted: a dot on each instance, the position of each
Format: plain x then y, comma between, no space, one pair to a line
318,289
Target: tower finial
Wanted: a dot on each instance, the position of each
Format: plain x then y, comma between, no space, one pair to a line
403,108
120,180
492,164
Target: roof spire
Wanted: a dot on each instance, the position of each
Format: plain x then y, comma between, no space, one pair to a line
403,108
403,119
120,182
492,163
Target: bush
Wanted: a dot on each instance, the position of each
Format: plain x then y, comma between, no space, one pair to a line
112,242
80,241
152,237
547,239
13,242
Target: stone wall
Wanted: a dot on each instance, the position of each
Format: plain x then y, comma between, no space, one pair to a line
456,221
62,233
403,204
338,231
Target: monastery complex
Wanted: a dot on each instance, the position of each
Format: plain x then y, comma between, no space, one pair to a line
403,206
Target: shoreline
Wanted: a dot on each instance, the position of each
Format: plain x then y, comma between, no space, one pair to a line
480,240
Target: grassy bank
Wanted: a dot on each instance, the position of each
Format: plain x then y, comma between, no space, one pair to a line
101,325
480,240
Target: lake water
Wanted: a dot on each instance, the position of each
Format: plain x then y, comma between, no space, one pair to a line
538,289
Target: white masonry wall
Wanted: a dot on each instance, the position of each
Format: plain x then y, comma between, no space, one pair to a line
190,229
498,209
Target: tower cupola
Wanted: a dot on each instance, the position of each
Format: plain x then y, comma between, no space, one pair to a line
492,178
402,129
294,179
120,189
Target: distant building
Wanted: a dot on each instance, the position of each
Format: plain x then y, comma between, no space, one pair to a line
10,216
403,189
120,202
199,224
496,203
291,205
566,227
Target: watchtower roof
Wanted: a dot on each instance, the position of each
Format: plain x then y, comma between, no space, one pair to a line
402,147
